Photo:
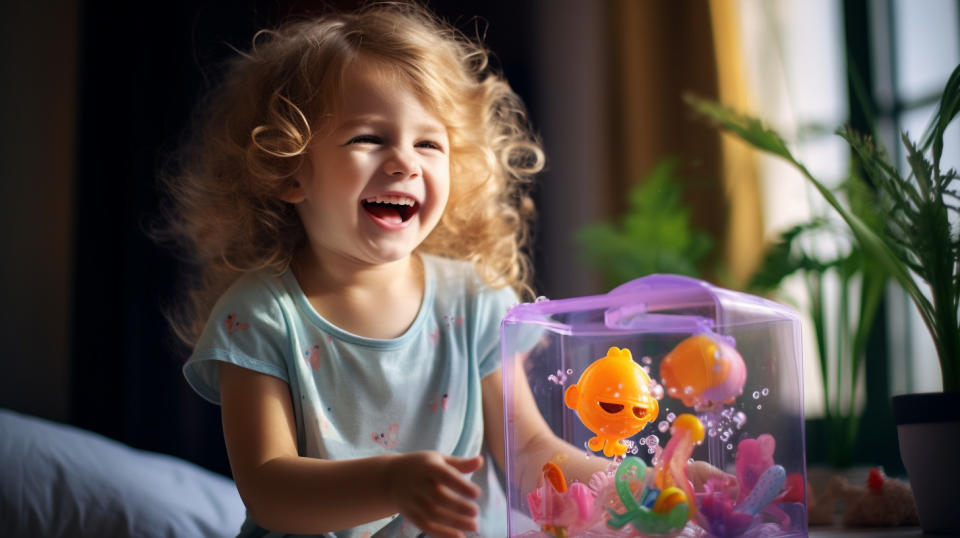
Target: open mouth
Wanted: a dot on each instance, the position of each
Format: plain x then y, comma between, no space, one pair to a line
392,209
612,408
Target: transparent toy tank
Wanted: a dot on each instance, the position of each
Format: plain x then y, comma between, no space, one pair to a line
684,400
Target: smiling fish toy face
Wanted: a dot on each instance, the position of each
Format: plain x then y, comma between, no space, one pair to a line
612,399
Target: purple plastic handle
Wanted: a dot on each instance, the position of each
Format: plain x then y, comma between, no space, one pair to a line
649,304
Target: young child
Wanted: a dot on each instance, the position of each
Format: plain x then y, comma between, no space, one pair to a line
355,198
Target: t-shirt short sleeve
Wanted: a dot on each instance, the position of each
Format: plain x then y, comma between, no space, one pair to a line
492,305
247,328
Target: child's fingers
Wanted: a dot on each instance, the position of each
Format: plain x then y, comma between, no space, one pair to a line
460,485
436,530
454,519
437,522
458,482
700,472
455,503
466,465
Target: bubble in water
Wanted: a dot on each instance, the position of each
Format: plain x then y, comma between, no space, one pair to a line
651,450
671,417
759,406
765,391
653,440
643,440
559,377
724,435
712,432
569,371
656,390
689,461
646,360
756,394
740,419
663,426
541,299
646,369
729,446
688,390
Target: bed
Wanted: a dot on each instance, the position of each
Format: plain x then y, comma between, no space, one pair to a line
57,480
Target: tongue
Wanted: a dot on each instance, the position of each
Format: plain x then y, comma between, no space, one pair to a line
387,212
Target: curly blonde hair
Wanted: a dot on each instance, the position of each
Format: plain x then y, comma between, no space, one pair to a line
253,131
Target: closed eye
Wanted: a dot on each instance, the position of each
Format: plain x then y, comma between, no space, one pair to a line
430,145
611,408
364,139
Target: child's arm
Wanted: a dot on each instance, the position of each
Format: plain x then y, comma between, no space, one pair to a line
537,443
288,493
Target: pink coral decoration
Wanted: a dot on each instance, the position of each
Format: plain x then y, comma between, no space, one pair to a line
571,508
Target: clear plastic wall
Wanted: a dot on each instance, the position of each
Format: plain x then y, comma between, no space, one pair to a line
711,432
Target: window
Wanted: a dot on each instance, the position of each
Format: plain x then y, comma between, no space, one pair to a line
879,65
917,46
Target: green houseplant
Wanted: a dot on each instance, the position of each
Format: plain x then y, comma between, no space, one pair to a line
918,244
655,234
841,325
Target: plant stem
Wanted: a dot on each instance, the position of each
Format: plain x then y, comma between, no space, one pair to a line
815,284
843,323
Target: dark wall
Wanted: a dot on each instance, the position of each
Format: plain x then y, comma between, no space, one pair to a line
142,67
38,70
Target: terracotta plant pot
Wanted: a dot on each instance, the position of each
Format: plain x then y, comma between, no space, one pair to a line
928,426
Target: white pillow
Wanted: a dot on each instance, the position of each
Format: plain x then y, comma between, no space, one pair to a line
58,480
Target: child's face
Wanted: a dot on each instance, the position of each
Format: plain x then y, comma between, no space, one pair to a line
376,184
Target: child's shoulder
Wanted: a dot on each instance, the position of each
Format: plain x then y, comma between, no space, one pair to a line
459,278
453,273
260,289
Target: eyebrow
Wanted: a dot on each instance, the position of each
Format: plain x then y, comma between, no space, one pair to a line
428,127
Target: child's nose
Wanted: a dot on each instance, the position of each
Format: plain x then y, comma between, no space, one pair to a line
402,164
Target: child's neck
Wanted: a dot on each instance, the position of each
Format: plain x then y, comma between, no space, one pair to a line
378,301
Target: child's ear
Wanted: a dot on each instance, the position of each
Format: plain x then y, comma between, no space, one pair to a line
293,192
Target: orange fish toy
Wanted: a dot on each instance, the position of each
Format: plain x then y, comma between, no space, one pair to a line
612,399
704,371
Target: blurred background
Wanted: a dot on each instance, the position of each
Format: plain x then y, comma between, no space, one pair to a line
95,96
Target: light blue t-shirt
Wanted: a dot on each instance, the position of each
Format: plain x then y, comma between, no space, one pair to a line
356,397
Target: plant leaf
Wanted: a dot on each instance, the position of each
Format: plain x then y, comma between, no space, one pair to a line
752,131
948,108
745,127
655,234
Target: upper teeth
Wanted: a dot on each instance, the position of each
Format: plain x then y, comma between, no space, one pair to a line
390,199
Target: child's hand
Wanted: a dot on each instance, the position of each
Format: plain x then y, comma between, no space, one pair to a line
700,471
430,490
